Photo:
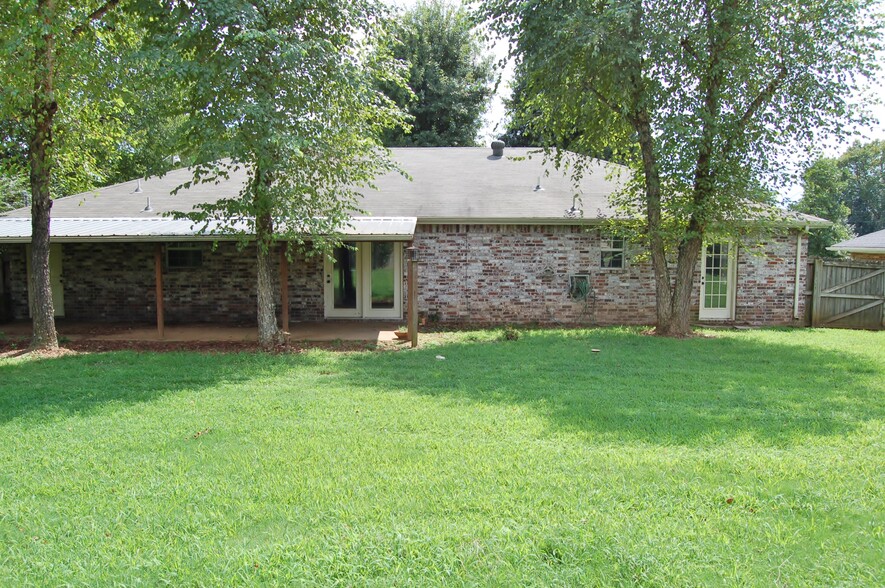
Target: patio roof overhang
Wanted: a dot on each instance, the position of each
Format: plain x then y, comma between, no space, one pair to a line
88,230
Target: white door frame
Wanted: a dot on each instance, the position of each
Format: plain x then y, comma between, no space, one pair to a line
364,285
366,281
329,288
720,313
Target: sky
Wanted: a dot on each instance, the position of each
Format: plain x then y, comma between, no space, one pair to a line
494,116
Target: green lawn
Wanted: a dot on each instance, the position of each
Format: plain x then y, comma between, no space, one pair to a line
750,458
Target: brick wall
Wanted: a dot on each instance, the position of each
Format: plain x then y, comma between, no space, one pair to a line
17,295
114,282
868,256
520,274
766,279
468,273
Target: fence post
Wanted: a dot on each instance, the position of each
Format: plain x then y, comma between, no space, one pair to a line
815,294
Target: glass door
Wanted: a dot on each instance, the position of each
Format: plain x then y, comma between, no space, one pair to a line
364,280
342,282
717,282
383,279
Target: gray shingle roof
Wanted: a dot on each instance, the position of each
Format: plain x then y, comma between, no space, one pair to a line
870,243
448,184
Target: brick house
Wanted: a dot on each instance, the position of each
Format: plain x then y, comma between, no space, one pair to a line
500,240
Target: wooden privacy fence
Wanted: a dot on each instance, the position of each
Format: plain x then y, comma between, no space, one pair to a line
848,294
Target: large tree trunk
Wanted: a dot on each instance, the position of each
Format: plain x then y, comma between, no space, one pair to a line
40,160
679,324
665,296
269,333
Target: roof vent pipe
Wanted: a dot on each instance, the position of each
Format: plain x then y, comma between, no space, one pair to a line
538,187
148,207
138,189
497,148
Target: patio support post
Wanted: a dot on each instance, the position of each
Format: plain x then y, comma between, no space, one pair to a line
413,294
284,288
158,270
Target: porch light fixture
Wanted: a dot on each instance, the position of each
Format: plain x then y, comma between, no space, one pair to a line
412,253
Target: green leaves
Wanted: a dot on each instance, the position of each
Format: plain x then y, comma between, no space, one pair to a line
286,90
849,191
701,100
448,74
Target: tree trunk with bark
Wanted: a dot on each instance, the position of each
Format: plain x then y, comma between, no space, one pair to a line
269,334
40,161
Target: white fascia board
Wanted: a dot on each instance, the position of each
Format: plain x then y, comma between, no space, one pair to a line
857,249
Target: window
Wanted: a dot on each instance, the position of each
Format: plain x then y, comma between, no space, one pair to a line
579,286
612,252
184,256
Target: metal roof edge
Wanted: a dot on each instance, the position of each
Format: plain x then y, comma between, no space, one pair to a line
507,221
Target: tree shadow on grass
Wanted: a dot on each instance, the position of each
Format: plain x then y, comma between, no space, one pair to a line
649,389
80,384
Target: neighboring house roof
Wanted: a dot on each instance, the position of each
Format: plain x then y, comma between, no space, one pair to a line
871,243
448,185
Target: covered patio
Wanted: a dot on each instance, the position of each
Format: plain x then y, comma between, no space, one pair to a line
338,330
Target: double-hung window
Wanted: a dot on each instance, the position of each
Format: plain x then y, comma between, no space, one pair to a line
613,252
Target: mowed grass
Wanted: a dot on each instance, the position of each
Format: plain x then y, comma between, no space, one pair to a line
747,458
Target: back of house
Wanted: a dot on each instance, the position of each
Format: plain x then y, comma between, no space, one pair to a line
500,239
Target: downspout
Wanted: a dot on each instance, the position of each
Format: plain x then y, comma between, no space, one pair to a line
798,271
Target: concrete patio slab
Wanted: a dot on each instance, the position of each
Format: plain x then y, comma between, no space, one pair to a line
376,331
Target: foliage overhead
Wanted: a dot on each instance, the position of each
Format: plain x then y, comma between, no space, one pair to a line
110,125
61,96
701,99
449,76
288,91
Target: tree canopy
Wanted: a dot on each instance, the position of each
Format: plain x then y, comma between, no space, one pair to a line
288,91
59,111
449,76
699,98
849,191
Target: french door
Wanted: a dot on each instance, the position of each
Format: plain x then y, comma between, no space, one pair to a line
718,282
364,280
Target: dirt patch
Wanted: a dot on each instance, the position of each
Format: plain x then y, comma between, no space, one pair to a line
37,353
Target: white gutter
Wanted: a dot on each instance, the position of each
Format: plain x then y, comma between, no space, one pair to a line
857,249
798,270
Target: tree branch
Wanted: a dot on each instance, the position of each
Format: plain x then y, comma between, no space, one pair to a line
754,106
764,96
605,101
93,16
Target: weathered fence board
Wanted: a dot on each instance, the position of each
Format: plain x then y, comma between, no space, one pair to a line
848,294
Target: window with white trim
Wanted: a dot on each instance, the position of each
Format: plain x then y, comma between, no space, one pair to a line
613,252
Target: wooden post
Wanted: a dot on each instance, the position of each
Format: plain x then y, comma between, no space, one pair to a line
284,288
412,253
816,292
158,270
